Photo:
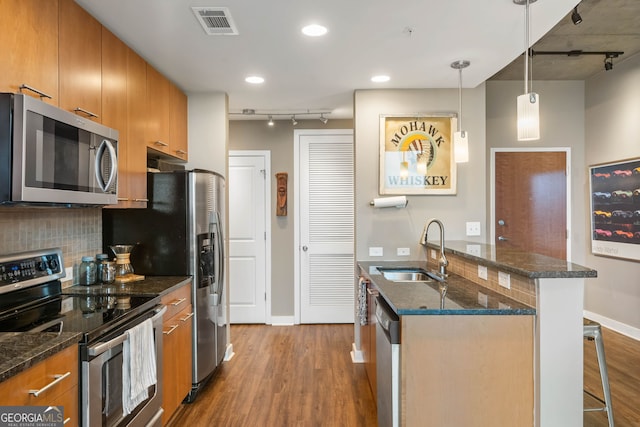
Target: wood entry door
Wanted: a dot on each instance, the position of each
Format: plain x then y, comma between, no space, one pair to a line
531,202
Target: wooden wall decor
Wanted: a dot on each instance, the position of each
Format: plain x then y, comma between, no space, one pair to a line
281,202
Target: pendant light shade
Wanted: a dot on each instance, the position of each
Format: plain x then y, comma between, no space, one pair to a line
528,123
461,137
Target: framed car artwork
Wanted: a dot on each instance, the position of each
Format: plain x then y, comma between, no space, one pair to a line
615,209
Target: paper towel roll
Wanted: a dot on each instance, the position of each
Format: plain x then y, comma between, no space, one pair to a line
390,202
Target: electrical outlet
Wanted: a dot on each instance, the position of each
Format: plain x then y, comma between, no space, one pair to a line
376,251
403,251
473,250
473,228
483,300
482,272
68,274
504,280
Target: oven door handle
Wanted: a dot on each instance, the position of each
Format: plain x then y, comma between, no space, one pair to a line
105,346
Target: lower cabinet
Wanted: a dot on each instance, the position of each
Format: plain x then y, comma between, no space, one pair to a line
51,382
177,350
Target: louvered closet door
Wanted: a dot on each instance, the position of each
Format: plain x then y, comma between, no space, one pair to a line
326,228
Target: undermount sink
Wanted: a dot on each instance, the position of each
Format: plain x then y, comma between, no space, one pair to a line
396,274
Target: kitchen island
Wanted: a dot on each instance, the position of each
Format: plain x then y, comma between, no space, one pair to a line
506,310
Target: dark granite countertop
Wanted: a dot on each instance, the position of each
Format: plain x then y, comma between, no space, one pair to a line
462,297
526,264
21,350
150,286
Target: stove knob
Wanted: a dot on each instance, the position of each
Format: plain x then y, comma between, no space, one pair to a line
53,264
42,266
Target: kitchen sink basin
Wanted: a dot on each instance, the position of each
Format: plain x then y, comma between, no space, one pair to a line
405,274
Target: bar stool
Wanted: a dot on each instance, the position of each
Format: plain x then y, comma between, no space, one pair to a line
593,332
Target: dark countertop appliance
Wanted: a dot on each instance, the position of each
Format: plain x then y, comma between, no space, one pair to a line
33,301
180,233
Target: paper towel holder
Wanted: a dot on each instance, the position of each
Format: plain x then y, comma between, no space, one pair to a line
389,202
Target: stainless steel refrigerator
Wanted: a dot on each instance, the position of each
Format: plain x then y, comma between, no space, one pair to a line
181,233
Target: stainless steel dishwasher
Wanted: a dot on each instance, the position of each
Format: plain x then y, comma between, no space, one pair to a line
387,364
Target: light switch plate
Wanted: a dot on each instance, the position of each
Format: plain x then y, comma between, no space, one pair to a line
482,272
473,228
504,279
403,252
376,251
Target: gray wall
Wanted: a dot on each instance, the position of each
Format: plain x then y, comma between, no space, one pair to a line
256,135
613,129
561,125
391,228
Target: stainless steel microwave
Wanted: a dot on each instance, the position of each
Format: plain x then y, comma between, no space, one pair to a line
51,156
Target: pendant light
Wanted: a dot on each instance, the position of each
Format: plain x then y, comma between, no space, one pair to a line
529,102
461,137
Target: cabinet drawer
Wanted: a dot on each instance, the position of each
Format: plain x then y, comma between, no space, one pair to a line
177,300
44,382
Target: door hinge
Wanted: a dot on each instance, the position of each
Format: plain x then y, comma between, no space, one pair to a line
265,296
265,236
264,173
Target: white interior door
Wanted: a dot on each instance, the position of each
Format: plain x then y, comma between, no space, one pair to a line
326,230
248,222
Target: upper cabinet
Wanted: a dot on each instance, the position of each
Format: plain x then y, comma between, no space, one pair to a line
158,107
80,61
178,123
29,40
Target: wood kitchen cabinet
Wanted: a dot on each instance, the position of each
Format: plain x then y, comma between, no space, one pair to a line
158,111
60,371
80,61
29,40
177,350
178,123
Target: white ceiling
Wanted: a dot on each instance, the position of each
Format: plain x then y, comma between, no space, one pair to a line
413,41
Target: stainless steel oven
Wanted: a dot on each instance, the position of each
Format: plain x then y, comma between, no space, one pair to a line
102,383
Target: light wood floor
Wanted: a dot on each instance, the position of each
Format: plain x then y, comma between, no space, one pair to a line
303,376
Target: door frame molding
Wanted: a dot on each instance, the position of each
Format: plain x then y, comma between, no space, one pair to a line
267,226
297,134
492,190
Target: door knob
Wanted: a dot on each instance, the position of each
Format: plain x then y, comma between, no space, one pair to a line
501,222
304,248
502,238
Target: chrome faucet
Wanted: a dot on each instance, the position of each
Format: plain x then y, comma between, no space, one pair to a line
442,262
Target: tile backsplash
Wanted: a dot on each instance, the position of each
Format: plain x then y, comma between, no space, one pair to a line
77,231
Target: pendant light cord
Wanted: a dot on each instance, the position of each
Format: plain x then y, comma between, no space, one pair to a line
527,86
459,99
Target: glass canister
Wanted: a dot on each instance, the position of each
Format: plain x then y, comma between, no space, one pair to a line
106,272
87,271
100,258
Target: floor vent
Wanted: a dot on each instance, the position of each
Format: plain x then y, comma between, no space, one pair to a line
216,21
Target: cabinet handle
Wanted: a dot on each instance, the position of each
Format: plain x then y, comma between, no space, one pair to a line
181,152
178,301
123,199
170,331
161,144
187,317
372,292
58,378
86,112
32,89
66,421
140,200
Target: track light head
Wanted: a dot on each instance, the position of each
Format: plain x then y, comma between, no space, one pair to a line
608,64
575,16
270,122
293,120
323,119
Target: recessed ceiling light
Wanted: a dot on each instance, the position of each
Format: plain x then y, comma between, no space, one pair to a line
380,79
254,80
314,30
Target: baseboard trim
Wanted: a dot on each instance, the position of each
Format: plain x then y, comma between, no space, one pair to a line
282,321
614,325
356,355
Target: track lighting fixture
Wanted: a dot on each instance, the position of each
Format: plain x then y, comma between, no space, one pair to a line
293,115
608,56
575,16
461,137
270,123
293,120
528,103
608,62
323,119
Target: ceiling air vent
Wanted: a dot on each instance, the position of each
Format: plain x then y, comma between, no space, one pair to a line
216,21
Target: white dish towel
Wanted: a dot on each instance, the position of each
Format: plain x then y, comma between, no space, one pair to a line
138,365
